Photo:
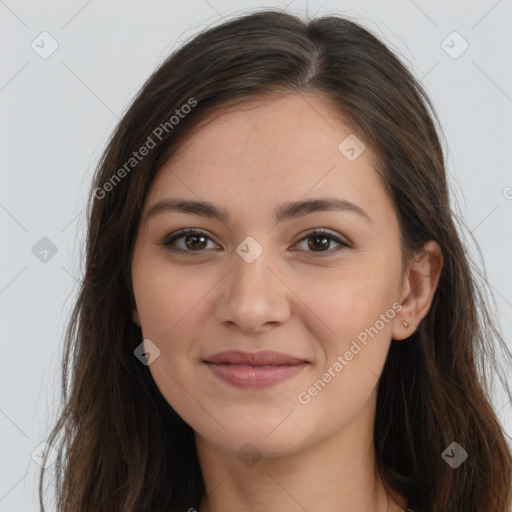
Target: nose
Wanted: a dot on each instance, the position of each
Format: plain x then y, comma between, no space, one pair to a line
253,295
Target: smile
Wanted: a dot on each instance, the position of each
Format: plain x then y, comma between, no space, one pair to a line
250,376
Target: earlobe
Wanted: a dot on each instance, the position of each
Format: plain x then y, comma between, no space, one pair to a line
420,286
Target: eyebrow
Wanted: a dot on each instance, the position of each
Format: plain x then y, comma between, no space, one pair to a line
283,212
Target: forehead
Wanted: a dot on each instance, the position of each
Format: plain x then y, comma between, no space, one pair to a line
266,151
282,123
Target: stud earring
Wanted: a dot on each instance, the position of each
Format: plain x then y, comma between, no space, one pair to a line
406,324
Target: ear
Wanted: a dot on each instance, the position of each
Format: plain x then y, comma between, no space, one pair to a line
418,289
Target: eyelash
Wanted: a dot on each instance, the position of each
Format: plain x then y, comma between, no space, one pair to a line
170,239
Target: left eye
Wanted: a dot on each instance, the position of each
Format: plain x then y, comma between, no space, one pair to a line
321,239
196,241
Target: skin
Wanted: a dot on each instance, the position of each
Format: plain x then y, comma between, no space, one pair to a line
249,159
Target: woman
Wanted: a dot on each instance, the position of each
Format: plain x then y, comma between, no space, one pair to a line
277,310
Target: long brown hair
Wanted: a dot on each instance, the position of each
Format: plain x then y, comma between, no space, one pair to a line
121,447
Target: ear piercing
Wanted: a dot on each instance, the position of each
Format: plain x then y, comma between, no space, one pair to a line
406,324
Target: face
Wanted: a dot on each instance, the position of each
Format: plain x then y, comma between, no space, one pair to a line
256,281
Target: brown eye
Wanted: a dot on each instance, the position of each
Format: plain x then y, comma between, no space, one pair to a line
319,242
194,241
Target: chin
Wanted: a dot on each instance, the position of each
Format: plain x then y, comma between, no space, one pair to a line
257,438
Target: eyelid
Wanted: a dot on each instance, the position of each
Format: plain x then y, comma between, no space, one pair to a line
343,242
328,232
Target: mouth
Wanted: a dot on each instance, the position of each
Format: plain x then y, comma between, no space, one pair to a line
262,358
254,370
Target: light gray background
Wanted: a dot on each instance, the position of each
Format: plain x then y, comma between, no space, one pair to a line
58,112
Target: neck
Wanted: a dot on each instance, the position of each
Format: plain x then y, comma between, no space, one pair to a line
339,474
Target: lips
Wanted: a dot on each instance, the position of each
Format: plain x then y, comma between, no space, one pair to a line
263,358
254,370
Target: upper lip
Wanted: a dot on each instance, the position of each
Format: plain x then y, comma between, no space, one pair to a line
263,358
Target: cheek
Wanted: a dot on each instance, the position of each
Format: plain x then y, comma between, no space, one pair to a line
165,297
169,302
349,364
355,301
358,307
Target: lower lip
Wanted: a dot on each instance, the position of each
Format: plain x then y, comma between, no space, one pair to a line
245,376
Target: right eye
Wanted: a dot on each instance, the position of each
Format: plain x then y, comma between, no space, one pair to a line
195,237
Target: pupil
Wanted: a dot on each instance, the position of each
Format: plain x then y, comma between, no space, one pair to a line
194,244
324,245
